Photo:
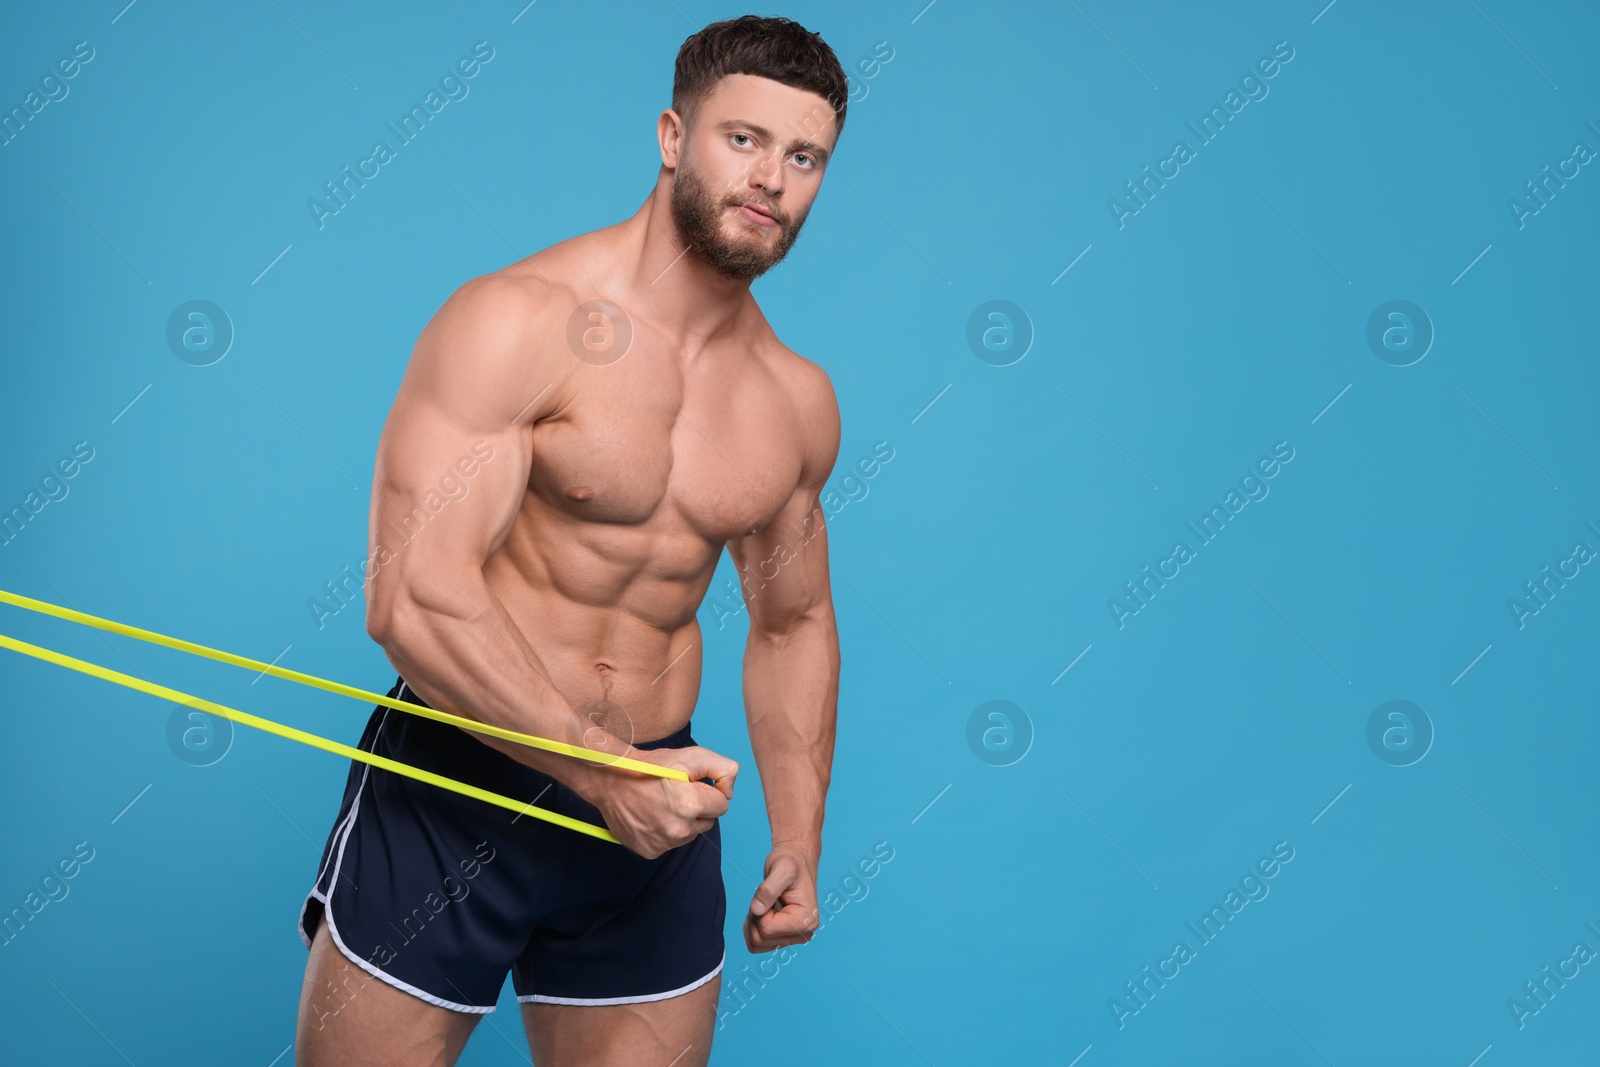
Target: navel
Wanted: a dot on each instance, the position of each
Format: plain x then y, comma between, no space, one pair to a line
580,492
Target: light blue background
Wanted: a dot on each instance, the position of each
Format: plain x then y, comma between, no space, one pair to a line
1224,317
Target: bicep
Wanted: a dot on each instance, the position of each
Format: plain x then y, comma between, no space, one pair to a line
785,564
785,567
454,457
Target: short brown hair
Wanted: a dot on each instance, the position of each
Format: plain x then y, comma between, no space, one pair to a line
776,48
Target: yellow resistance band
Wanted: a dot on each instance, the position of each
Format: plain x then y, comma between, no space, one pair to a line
106,674
154,638
304,738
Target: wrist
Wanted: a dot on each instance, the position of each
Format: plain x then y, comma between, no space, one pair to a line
807,848
593,780
592,776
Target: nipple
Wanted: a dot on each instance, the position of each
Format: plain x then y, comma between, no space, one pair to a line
580,492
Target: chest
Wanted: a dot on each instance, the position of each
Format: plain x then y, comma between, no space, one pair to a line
648,445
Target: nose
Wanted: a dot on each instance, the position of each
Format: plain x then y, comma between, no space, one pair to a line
767,174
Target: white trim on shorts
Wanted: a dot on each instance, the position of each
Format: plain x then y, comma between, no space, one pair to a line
333,930
341,829
539,998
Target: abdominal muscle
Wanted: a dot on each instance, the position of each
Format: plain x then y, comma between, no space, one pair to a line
615,631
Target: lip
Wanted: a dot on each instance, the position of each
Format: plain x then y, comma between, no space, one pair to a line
757,215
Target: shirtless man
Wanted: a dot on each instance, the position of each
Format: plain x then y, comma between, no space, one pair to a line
602,417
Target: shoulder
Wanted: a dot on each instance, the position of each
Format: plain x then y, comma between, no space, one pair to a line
535,295
815,405
506,304
525,305
495,336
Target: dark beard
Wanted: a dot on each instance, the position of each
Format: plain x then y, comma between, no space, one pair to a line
698,210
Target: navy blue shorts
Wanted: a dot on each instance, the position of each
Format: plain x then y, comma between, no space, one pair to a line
440,894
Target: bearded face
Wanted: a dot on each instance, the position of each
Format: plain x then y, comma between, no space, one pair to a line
713,228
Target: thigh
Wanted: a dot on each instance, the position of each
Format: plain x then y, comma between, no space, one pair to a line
348,1018
675,1032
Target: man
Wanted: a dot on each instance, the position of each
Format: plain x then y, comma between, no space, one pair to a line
603,417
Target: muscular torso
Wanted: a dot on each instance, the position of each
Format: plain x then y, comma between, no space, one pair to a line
645,469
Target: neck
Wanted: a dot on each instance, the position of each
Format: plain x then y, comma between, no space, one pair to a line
670,285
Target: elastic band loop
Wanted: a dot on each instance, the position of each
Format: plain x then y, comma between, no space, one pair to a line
106,674
530,740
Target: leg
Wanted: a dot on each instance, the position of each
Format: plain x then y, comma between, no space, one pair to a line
659,1033
403,888
348,1018
625,966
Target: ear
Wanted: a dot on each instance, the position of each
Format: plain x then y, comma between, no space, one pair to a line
669,132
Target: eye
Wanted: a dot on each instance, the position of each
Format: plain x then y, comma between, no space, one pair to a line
809,161
746,136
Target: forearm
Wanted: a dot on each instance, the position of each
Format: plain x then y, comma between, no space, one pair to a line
454,643
791,694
